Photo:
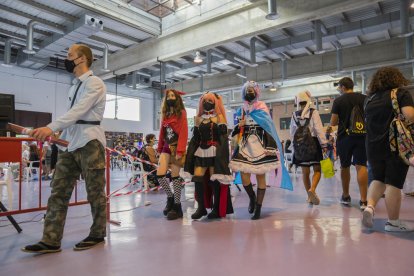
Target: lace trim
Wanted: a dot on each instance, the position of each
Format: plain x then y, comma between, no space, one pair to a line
222,178
255,169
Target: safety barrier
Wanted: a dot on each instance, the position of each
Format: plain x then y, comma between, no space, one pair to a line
11,152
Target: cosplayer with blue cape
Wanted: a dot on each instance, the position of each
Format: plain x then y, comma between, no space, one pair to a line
208,159
257,148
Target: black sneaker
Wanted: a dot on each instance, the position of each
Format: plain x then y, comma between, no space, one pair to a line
346,200
88,243
41,248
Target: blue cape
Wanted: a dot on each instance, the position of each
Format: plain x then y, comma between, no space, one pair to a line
263,118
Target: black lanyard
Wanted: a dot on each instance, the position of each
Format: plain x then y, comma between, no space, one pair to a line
76,92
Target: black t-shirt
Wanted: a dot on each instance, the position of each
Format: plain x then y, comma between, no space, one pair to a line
378,116
342,106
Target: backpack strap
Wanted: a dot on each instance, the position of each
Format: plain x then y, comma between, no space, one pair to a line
394,102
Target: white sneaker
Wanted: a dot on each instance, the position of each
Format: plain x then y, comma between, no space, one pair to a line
368,216
397,226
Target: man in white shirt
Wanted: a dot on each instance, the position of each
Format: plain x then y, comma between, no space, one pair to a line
84,155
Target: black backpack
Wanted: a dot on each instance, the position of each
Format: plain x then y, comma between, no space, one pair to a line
356,126
304,145
142,154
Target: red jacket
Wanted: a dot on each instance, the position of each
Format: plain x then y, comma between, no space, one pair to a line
179,125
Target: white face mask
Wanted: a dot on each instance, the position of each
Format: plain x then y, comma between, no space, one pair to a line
339,90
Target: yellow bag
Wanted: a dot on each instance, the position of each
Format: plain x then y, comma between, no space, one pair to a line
327,167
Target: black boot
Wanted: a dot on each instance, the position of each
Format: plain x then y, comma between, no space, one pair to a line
176,212
257,211
201,209
168,207
252,196
214,214
260,196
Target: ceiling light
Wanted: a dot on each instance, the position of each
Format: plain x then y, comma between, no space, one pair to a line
241,76
198,58
412,5
273,88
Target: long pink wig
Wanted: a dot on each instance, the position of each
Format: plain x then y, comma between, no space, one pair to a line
218,104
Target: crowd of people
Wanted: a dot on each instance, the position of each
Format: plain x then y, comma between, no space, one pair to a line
208,160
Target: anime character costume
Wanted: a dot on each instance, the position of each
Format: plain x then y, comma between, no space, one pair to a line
209,148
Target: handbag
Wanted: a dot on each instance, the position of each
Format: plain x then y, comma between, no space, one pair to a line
327,167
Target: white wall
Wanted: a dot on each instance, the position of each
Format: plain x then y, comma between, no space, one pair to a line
46,91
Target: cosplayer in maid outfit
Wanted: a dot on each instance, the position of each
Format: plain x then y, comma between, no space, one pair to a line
208,158
257,148
172,144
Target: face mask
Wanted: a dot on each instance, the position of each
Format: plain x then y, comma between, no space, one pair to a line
170,103
208,106
250,97
70,64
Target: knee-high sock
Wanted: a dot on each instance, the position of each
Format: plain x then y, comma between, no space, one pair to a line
165,184
177,189
260,195
249,191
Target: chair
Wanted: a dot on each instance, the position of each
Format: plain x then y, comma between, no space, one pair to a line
29,170
7,181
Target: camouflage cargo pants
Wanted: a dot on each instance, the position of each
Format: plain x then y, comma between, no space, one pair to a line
90,161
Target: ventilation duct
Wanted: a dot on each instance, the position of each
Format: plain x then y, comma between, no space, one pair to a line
272,7
29,38
405,18
137,81
317,25
76,32
7,52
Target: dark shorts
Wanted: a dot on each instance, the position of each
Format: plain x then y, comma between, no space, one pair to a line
391,171
351,151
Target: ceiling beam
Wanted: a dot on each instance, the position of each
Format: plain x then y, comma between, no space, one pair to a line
246,20
24,27
44,8
124,13
359,58
29,16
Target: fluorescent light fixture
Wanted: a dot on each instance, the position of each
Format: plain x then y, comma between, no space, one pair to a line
198,58
241,76
273,88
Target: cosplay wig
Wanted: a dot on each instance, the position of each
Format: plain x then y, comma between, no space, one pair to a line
251,84
218,104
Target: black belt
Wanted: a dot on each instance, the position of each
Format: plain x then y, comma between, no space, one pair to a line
83,122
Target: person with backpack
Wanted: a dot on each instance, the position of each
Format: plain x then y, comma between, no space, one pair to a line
347,114
388,168
208,158
308,137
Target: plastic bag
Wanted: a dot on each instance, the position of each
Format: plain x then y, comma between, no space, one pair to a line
327,167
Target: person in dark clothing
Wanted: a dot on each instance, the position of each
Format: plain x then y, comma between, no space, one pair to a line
350,148
389,171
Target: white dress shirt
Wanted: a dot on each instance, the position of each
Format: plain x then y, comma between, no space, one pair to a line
89,105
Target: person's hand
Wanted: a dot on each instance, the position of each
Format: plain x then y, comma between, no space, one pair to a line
41,133
178,156
325,150
242,123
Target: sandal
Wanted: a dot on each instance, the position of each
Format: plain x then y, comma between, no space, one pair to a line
314,199
41,247
88,243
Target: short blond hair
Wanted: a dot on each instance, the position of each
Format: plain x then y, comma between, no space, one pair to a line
82,49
